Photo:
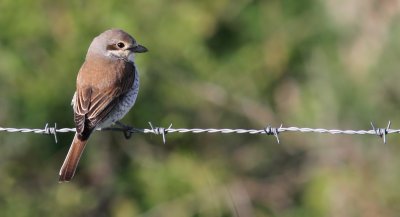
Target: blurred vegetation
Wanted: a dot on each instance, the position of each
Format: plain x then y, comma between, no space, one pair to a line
234,64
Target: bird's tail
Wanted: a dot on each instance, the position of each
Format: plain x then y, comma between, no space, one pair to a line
68,168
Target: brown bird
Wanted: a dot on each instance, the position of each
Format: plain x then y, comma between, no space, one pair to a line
106,89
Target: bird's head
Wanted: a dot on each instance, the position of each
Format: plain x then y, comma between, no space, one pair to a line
116,43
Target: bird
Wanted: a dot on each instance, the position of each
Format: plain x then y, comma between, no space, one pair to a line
107,86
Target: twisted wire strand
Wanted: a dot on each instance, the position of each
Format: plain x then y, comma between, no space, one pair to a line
382,132
207,130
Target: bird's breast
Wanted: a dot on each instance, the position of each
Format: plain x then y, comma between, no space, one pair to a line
125,104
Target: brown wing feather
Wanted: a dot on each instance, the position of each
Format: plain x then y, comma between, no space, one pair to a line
81,108
99,90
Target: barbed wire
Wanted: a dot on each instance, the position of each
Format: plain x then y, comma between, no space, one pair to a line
128,131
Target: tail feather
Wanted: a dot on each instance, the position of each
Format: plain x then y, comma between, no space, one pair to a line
68,168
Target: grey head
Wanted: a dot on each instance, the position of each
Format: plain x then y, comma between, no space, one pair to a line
115,43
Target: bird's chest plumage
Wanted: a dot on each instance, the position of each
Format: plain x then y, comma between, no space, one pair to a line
125,104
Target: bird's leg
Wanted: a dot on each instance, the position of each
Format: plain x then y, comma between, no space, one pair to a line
126,129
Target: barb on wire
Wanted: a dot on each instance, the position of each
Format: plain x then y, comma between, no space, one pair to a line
128,131
273,131
51,130
381,132
160,130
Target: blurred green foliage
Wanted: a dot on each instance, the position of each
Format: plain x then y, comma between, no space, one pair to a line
222,64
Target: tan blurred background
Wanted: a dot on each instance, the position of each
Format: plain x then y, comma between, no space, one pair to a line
218,64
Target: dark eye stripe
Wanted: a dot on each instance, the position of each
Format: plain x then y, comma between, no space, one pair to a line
112,47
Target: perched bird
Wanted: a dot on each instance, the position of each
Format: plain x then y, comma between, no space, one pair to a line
106,89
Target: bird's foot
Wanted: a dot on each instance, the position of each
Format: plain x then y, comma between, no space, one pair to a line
127,130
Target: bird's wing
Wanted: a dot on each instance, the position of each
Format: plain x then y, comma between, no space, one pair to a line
94,101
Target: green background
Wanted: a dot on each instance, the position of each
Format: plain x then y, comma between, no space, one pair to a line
211,64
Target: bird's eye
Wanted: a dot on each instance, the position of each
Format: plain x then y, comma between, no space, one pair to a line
120,45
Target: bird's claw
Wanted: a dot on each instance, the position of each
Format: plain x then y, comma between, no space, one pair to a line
127,130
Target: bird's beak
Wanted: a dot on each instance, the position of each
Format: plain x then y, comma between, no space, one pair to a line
139,49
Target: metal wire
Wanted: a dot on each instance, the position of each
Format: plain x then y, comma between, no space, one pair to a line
128,131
